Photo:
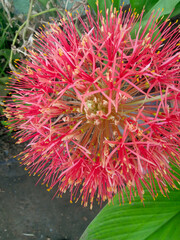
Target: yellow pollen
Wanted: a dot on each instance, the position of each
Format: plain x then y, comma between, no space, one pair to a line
76,71
60,51
84,41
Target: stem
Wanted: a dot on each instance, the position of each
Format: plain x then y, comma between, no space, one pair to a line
28,18
46,11
21,27
4,31
146,100
5,65
79,33
13,44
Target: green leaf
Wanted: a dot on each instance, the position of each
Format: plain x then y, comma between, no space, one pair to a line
168,230
138,4
5,123
161,4
92,4
117,4
3,80
176,10
2,40
167,5
154,4
157,219
149,5
5,53
3,92
102,6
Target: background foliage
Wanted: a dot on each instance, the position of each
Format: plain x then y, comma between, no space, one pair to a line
19,21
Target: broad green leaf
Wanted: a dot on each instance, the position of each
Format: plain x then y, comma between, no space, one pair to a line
117,4
168,230
176,10
155,4
138,4
155,219
167,5
149,5
102,6
92,4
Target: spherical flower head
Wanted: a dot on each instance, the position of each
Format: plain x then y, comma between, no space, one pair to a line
100,111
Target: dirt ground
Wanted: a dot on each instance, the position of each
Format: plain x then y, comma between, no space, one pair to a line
27,211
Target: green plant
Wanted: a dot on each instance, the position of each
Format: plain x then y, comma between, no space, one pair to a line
151,220
19,21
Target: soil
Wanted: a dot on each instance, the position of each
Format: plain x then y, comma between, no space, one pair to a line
28,211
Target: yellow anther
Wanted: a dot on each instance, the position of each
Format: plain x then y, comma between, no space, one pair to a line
60,51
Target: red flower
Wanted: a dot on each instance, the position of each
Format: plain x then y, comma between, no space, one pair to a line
100,112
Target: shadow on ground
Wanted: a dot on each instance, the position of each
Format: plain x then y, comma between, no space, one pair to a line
27,211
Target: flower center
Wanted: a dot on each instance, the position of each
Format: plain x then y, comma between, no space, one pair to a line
96,109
